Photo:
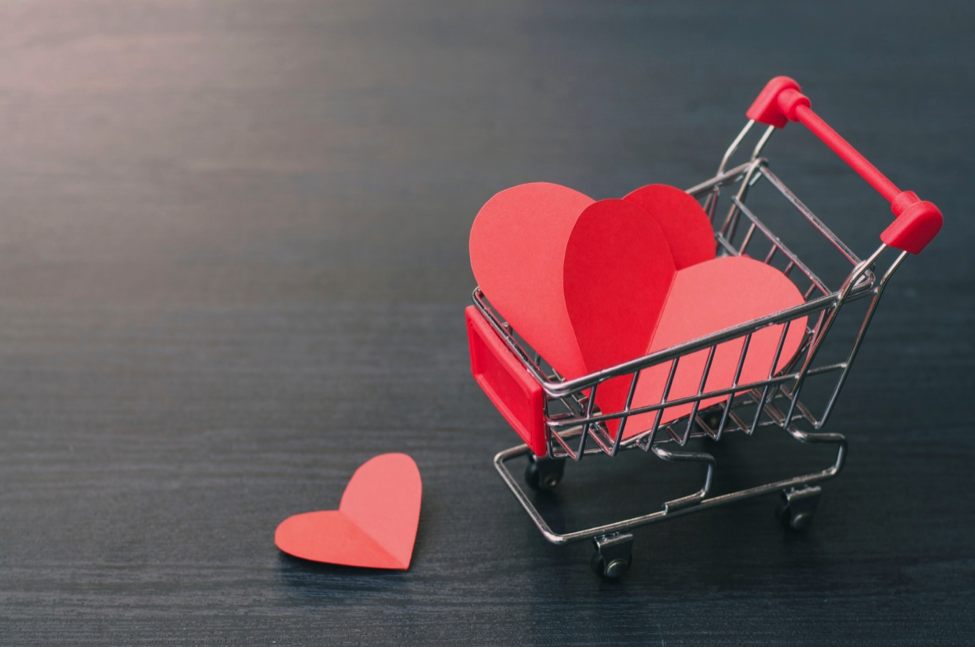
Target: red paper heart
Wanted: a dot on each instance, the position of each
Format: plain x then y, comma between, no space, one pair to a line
375,525
617,271
685,225
592,284
627,296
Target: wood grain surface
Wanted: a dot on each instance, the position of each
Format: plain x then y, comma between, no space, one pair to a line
233,264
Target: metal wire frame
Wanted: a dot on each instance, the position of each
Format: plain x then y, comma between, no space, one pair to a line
571,415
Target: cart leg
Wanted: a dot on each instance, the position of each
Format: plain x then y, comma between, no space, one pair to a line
613,555
798,505
544,473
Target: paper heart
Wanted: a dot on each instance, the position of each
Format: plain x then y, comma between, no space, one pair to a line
592,284
517,246
616,273
628,296
375,525
684,224
703,299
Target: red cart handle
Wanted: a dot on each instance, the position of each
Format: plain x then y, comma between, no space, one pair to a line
917,222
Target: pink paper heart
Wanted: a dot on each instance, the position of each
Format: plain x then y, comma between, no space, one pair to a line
517,247
375,525
705,298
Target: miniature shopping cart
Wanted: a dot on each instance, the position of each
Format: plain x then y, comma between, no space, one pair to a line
558,419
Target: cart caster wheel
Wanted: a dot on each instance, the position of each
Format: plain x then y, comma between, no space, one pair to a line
613,555
616,567
713,421
797,507
793,520
544,474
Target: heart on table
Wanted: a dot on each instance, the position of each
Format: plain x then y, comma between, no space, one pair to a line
374,526
591,284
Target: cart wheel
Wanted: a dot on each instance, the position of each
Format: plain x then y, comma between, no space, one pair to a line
544,474
712,420
616,567
613,556
797,507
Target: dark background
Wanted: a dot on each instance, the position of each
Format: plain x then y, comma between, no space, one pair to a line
233,265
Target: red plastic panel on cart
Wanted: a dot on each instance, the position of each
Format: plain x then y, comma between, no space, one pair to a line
512,390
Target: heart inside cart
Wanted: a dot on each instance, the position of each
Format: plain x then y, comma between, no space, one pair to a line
592,284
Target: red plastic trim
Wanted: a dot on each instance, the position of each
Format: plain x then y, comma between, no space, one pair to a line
512,390
914,228
765,109
847,153
917,221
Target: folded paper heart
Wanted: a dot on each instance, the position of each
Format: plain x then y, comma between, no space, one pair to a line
375,525
593,284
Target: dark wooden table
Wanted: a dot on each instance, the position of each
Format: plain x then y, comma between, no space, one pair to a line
233,264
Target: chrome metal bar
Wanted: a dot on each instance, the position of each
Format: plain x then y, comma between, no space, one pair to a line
745,241
564,424
871,309
558,438
725,244
811,217
731,220
778,243
663,399
763,141
587,426
836,366
658,357
893,267
845,290
771,372
696,457
700,392
734,383
720,180
740,423
804,412
734,146
626,408
665,513
711,204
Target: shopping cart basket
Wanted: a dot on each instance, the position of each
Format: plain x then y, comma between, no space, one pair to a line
558,418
